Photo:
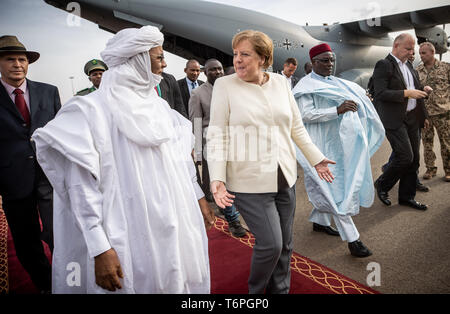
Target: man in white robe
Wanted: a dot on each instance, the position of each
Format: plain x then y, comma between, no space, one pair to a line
127,207
344,125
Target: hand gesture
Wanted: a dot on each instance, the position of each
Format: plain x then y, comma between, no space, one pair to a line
415,93
108,270
427,89
221,196
348,105
323,171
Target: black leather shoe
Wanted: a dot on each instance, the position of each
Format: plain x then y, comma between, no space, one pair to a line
327,229
236,229
383,196
358,249
413,203
422,188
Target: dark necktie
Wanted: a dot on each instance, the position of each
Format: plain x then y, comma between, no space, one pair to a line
22,105
193,85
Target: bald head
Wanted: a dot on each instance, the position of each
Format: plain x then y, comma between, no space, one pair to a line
403,37
192,70
403,47
213,70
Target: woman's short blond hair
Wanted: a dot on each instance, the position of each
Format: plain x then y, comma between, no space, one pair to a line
261,43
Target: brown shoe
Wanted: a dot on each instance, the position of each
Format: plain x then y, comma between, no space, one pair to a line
429,174
447,177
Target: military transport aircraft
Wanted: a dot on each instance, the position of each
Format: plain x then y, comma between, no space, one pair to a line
202,30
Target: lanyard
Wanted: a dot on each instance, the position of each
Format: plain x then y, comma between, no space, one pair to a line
158,90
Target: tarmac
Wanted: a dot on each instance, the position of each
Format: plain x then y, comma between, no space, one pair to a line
411,247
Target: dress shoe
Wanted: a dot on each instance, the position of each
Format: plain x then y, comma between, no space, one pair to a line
383,196
447,177
236,229
413,203
358,249
327,229
422,188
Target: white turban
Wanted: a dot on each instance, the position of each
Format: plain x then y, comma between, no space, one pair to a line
130,42
127,87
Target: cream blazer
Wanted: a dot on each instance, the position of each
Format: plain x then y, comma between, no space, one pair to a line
252,131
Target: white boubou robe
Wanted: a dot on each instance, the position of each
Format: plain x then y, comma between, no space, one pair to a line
350,140
110,191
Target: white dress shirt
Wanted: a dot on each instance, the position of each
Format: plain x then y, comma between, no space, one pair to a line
190,87
289,79
409,81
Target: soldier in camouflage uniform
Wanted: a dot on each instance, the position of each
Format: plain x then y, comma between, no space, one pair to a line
436,74
94,70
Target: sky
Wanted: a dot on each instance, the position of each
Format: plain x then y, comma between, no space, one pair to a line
65,47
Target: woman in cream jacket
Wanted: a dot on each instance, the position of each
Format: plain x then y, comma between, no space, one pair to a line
254,124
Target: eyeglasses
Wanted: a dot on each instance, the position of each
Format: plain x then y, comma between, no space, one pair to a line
160,58
326,60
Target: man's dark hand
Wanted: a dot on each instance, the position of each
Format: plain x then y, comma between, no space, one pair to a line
207,212
108,270
348,105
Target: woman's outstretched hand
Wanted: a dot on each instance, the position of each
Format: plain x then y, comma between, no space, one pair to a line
221,196
323,171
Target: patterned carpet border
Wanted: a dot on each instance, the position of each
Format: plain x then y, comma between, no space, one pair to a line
4,283
309,269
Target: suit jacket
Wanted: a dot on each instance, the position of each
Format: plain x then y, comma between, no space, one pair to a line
171,93
255,143
294,81
185,92
388,86
18,166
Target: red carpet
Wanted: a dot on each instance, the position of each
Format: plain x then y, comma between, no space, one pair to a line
19,280
230,267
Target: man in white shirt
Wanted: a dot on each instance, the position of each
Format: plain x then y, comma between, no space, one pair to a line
289,68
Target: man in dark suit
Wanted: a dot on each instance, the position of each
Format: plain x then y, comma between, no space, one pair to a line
190,82
170,92
27,195
289,68
399,102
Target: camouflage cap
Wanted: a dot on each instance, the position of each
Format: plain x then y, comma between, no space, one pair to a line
94,64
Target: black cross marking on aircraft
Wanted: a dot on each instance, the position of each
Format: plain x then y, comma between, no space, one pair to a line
287,44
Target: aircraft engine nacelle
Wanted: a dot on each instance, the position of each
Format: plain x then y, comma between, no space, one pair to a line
434,35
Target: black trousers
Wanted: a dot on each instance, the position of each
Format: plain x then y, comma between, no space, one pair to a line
405,143
23,220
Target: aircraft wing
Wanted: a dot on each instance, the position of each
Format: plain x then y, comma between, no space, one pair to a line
191,28
423,21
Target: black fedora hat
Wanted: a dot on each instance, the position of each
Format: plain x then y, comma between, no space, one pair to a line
10,44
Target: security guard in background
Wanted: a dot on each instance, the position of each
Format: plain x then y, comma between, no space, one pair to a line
94,69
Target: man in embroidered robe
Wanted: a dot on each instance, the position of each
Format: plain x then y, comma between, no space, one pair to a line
344,125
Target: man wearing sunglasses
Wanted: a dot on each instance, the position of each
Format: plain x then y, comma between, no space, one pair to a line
343,123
